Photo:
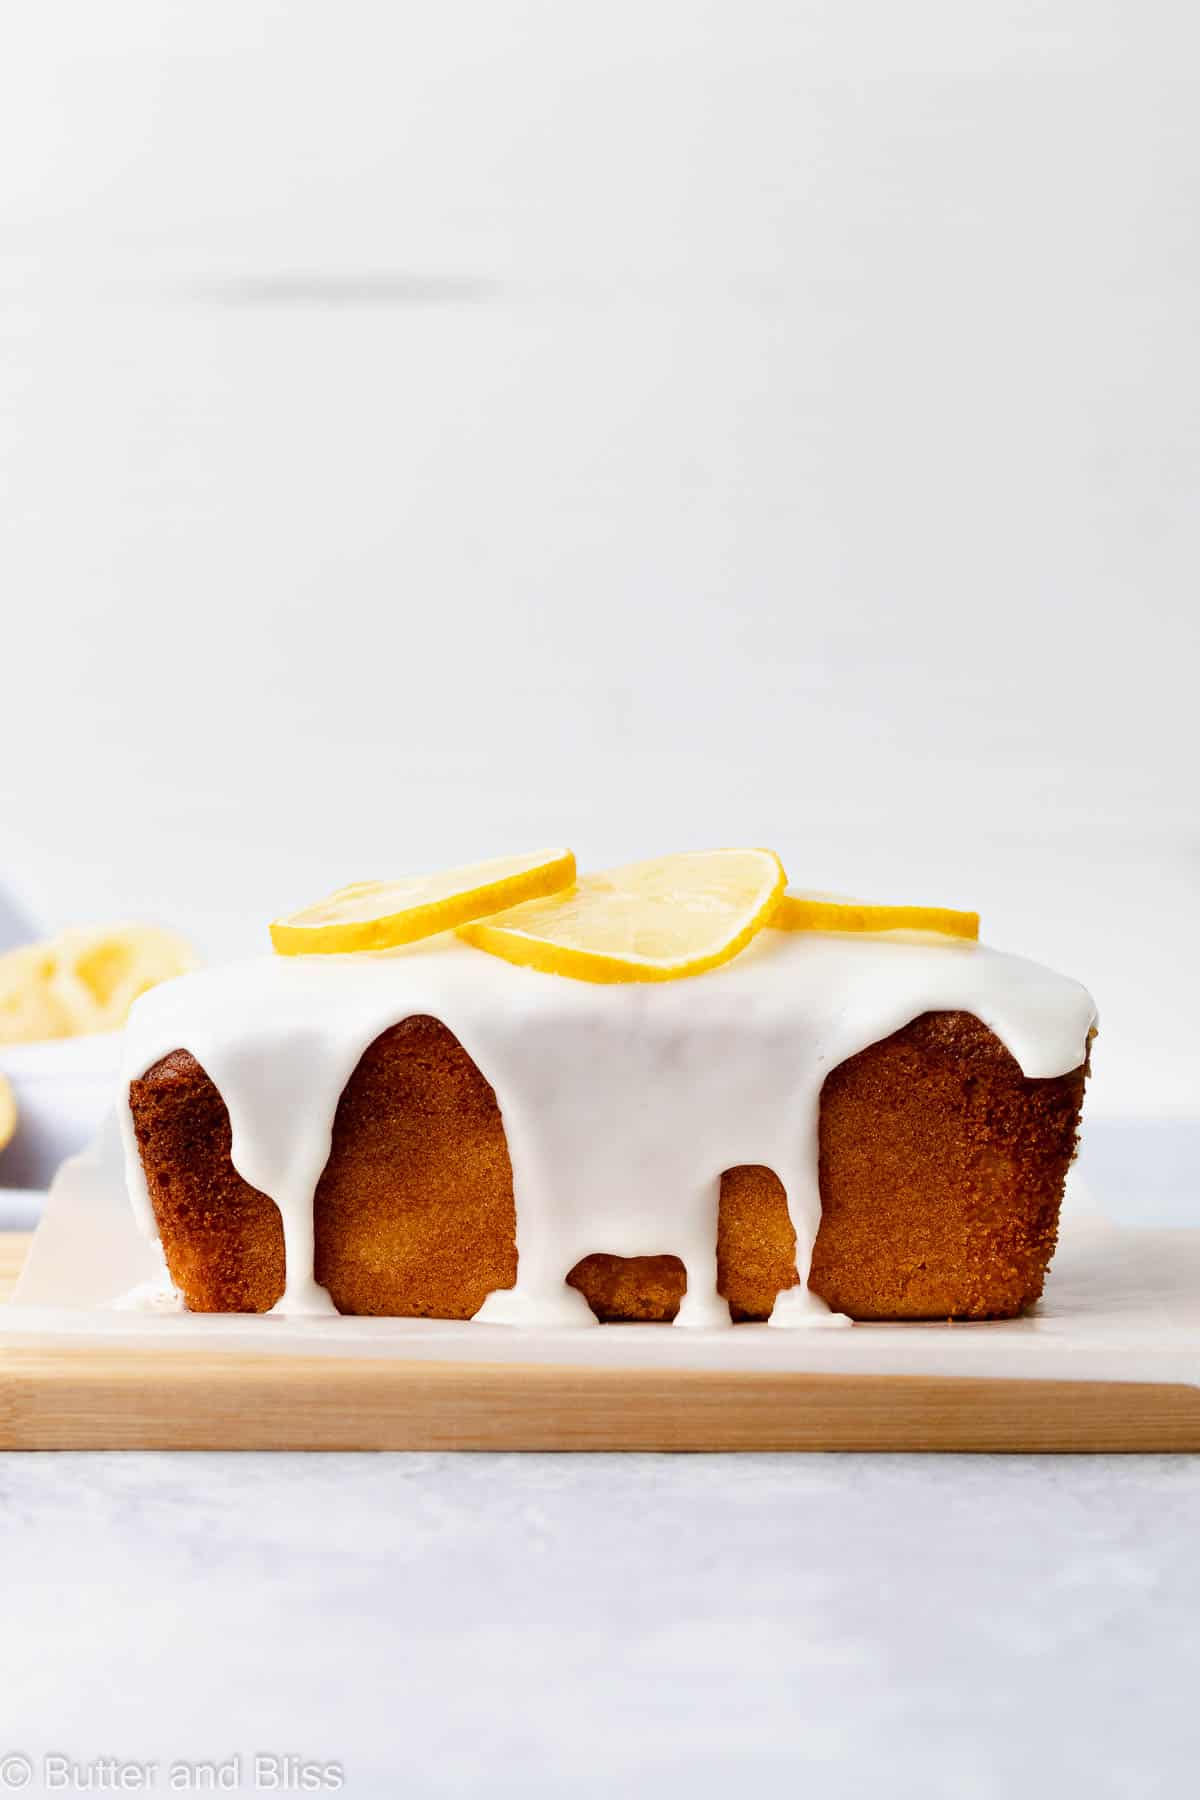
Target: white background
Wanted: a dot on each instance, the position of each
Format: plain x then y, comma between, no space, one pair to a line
427,431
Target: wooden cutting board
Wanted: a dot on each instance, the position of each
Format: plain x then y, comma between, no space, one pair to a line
63,1398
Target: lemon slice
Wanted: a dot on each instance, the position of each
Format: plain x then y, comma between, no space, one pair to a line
807,910
30,1010
378,915
648,921
84,980
101,970
8,1113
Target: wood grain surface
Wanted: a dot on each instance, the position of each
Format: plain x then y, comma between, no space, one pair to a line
71,1398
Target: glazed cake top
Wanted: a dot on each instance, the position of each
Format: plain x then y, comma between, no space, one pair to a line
622,1104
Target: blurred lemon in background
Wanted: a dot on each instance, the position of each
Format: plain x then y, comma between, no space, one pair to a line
84,980
8,1113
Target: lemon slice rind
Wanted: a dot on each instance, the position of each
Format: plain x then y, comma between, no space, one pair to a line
709,905
382,915
812,911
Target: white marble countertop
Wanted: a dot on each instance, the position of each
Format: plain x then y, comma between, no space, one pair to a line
949,1626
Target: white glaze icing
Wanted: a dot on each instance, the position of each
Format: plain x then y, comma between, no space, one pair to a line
622,1105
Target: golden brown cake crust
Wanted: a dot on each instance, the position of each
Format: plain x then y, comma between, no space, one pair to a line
414,1214
941,1175
942,1171
222,1239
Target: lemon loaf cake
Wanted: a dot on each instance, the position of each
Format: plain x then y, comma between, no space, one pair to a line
819,1124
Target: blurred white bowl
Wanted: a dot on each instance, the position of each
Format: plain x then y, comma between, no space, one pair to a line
63,1089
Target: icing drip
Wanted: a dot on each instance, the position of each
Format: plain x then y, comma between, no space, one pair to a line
622,1105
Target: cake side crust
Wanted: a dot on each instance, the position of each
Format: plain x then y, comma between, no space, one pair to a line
414,1214
941,1175
942,1171
222,1239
